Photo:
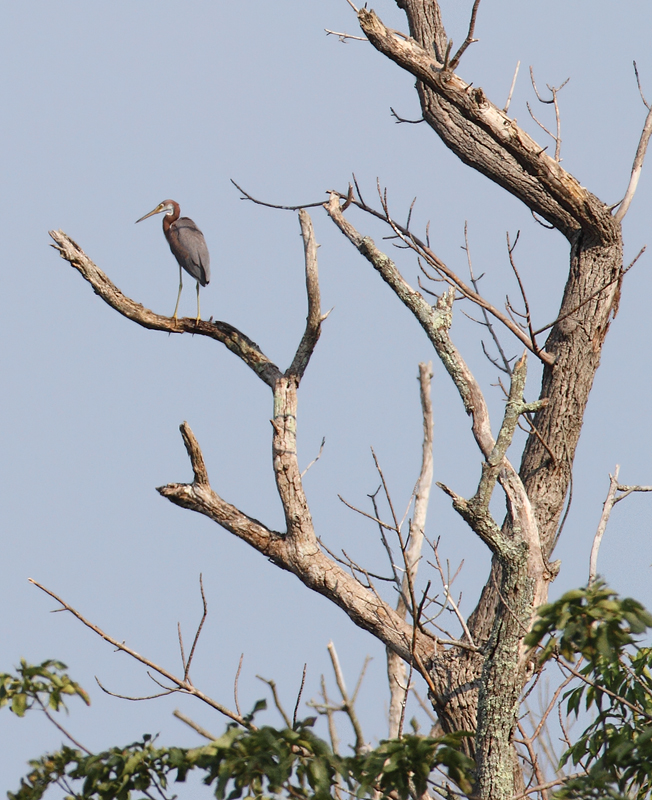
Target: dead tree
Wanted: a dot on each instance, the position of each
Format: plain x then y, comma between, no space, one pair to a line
475,683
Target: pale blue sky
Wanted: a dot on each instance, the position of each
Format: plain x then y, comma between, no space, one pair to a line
111,108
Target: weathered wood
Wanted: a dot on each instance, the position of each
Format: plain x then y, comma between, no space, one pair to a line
485,138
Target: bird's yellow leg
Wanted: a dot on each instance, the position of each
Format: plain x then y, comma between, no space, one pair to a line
176,308
198,313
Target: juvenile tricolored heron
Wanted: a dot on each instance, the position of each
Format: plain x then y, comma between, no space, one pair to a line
187,244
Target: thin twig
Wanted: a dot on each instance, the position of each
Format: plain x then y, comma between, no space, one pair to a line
469,37
347,705
425,707
540,787
364,514
354,696
563,665
296,706
277,702
317,457
640,89
588,299
63,730
182,684
639,158
528,316
166,691
449,598
183,655
550,706
344,36
397,527
201,625
388,549
235,684
194,725
348,562
247,196
511,88
527,741
402,119
474,282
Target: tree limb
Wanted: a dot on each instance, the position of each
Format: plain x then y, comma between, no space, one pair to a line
298,550
637,167
484,137
396,672
181,683
239,344
314,320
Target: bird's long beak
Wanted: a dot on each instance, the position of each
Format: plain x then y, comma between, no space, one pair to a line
157,210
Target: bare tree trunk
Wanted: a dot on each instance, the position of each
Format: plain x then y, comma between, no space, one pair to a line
484,138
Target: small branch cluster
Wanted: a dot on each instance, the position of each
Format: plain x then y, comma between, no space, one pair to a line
426,257
616,493
329,708
178,684
554,91
476,510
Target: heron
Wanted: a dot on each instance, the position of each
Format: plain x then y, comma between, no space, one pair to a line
187,244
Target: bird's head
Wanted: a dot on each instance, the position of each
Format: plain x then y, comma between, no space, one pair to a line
166,207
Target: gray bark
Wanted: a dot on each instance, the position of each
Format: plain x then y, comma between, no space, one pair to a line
481,692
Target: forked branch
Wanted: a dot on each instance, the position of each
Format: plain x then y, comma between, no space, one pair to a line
297,550
637,166
476,510
180,684
616,493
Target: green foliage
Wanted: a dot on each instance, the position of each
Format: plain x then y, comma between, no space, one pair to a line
112,774
41,685
617,746
402,766
593,622
257,762
260,763
614,753
267,762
